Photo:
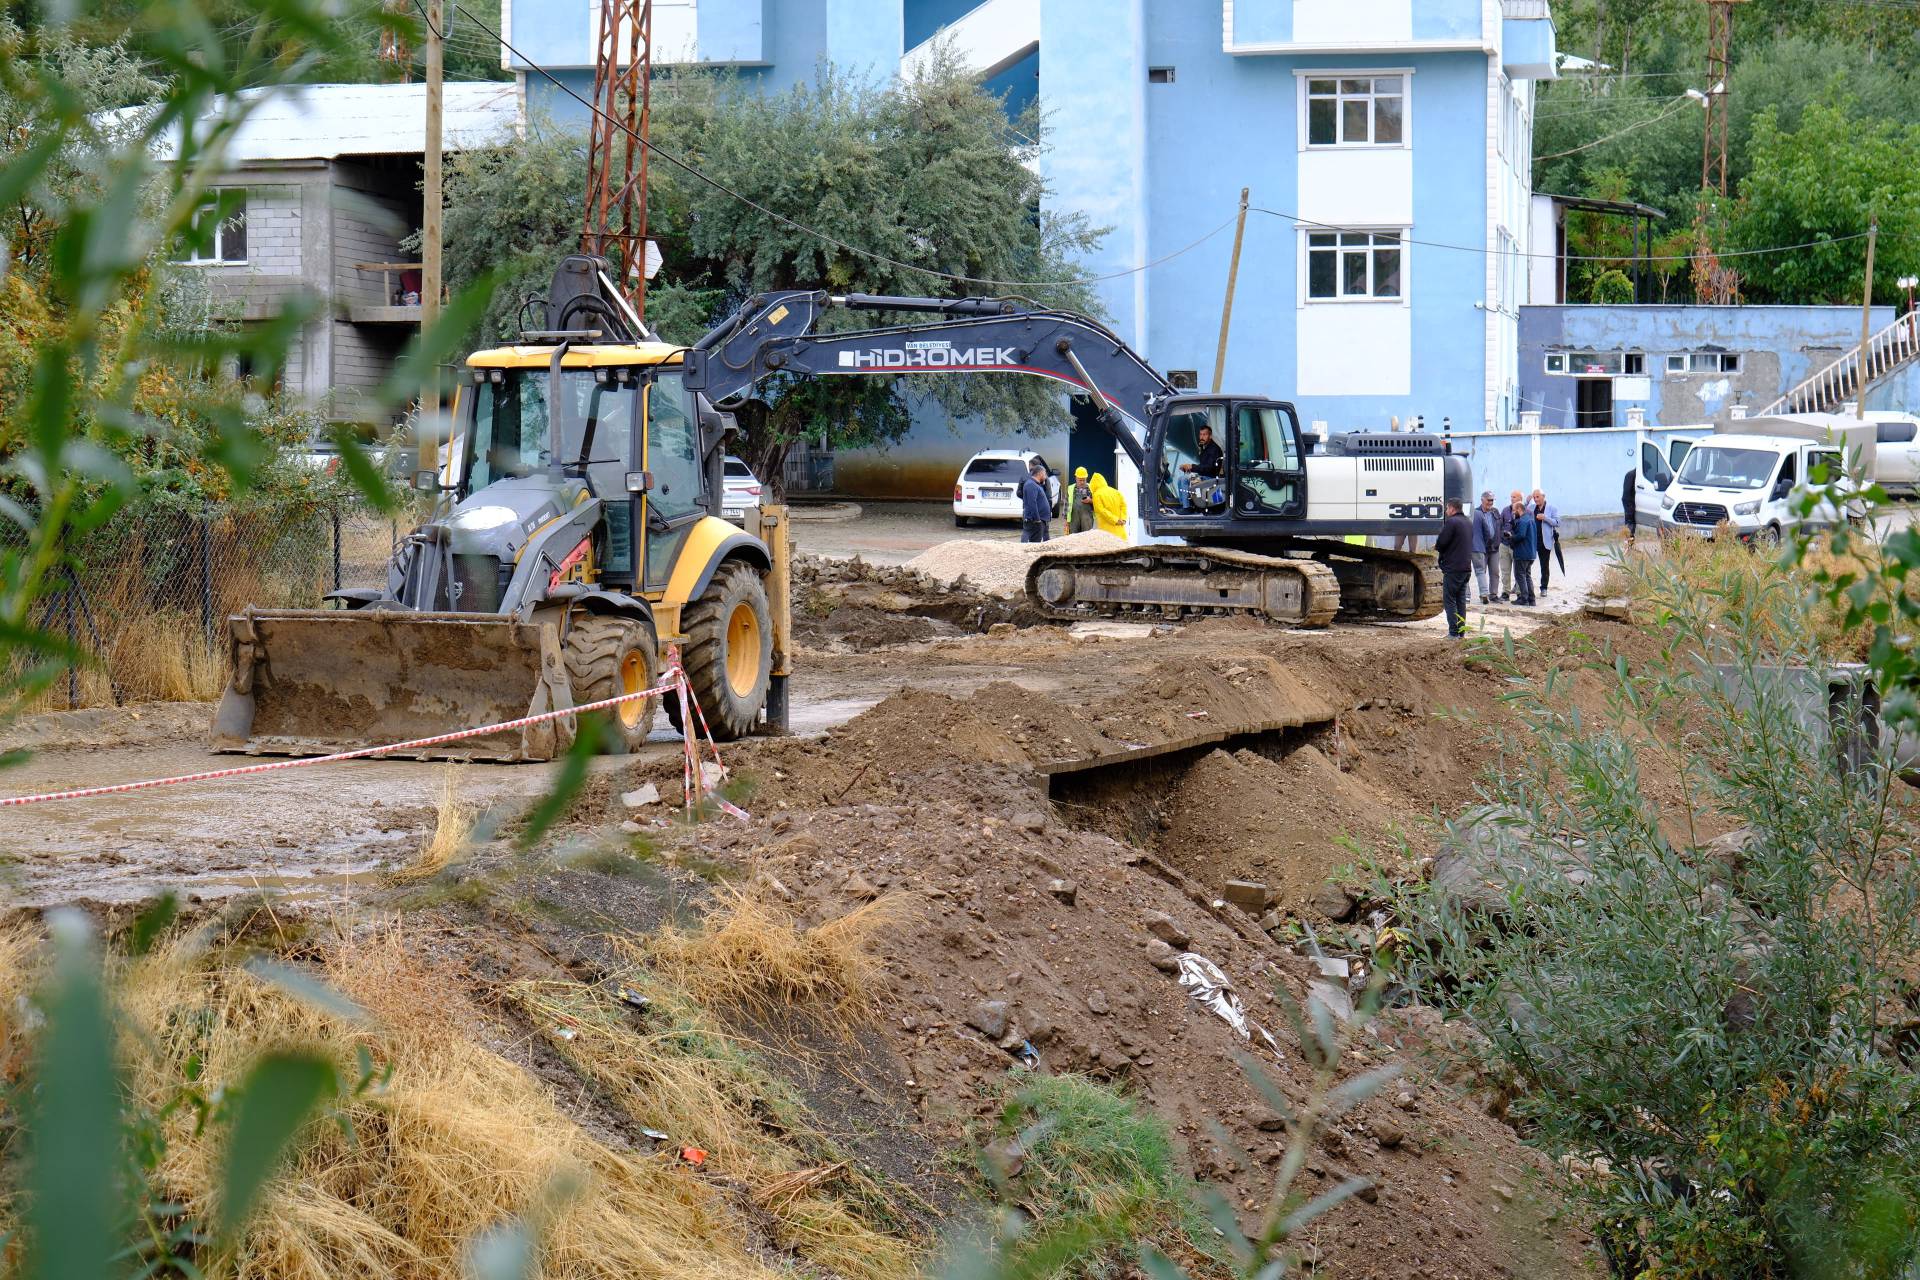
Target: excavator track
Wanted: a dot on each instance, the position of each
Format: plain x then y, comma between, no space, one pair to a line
1376,585
1169,580
1298,582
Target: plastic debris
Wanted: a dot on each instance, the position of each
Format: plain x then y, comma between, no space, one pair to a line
1027,1054
1209,987
654,1135
629,996
565,1033
693,1156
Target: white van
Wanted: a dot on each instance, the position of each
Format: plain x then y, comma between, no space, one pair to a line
1751,482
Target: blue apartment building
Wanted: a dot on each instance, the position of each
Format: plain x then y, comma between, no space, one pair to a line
1386,145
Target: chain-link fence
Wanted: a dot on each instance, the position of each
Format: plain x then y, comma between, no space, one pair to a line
147,596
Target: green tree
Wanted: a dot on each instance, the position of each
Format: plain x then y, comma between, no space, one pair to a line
925,180
1828,179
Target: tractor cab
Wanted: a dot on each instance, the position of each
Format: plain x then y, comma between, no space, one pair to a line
544,428
1222,462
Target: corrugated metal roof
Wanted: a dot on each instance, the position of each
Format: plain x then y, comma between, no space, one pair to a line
326,121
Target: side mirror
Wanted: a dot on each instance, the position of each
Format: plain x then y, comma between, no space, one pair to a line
693,370
639,482
1782,488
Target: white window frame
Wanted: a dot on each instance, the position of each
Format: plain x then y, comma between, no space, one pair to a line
1555,363
1304,76
215,253
1680,363
1567,369
1307,249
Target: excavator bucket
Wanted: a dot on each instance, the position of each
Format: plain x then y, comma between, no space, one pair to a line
316,681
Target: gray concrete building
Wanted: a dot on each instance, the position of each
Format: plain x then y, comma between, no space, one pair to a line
321,189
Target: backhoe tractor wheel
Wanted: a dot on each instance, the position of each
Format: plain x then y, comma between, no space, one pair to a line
607,657
729,650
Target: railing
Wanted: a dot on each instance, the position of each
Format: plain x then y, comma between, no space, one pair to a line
1846,378
1525,9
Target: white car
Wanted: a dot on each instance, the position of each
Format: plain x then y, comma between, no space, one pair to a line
740,490
989,485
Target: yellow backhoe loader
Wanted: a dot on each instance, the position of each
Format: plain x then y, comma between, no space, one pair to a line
576,540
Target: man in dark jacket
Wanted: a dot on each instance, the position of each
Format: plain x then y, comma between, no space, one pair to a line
1455,547
1627,505
1524,537
1204,472
1036,504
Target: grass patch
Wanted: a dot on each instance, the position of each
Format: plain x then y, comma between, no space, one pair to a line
454,1141
454,822
1739,579
750,953
1072,1150
659,1057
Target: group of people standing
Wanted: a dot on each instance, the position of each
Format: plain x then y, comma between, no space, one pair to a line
1091,503
1499,547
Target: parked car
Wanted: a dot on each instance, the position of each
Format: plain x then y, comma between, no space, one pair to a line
989,485
1751,483
741,490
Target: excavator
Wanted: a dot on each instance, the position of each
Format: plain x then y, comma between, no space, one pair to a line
577,539
1266,538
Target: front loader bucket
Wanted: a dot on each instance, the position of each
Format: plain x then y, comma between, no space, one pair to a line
315,681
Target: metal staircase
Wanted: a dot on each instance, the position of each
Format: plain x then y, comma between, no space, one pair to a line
1848,378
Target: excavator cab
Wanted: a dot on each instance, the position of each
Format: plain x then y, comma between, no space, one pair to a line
1261,464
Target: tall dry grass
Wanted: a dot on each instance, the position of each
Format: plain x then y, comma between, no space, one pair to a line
751,953
459,1139
454,822
1736,577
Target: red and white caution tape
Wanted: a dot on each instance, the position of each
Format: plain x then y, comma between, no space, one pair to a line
676,683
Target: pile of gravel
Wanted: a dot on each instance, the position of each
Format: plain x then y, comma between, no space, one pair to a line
1000,568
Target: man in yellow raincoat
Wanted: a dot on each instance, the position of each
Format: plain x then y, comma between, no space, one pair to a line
1109,507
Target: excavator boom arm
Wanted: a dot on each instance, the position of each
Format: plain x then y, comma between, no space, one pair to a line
774,334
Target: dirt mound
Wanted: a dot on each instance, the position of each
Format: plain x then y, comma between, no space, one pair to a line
1000,568
1290,823
1040,945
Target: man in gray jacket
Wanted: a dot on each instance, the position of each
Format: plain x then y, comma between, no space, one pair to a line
1547,516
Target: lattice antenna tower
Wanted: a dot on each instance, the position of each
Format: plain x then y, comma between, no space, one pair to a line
616,211
1713,150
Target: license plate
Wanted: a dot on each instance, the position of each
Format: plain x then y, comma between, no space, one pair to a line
996,493
734,513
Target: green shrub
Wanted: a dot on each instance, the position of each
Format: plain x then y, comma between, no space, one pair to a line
1726,1034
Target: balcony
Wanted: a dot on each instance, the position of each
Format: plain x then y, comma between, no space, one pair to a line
1527,43
398,304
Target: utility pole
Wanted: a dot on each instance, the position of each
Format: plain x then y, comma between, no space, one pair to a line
1866,324
426,422
1226,309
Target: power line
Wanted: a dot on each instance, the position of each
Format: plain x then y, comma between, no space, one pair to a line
1620,133
801,227
1556,257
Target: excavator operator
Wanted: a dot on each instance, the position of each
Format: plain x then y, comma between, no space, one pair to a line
1204,472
